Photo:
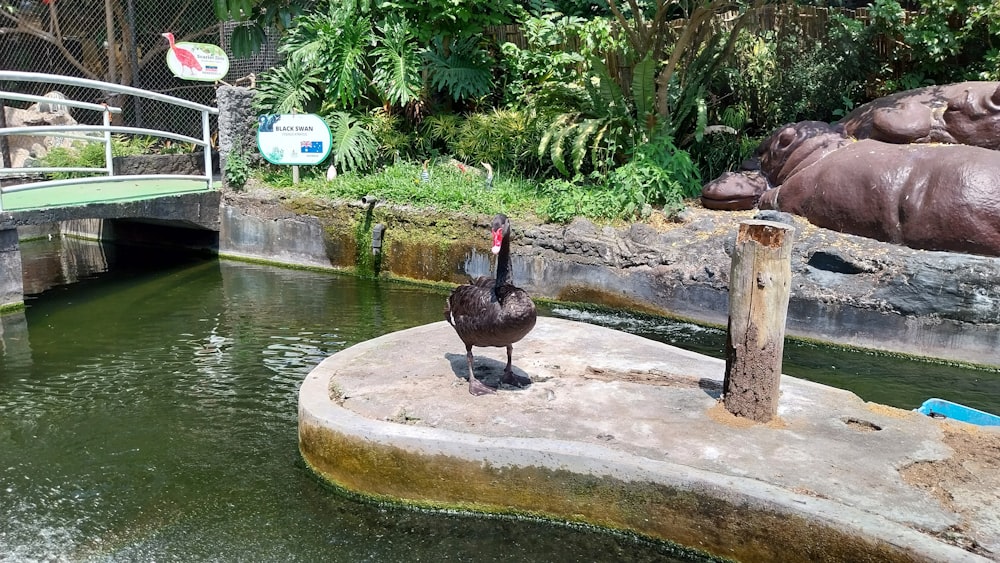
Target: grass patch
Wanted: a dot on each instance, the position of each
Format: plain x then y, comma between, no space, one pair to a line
448,188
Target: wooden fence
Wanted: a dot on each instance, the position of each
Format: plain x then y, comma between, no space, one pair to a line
806,21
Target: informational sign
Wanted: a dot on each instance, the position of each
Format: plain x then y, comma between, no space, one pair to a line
293,139
197,61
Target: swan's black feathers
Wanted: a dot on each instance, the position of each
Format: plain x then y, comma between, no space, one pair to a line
492,312
481,317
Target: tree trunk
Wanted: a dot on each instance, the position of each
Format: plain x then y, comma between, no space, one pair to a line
758,303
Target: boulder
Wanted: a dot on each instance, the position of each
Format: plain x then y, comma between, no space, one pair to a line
25,148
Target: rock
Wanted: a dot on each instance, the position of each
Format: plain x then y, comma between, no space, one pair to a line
186,164
26,148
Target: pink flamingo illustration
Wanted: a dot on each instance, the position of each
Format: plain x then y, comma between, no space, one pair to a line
185,57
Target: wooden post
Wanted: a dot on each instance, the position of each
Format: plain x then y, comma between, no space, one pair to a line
758,303
4,147
295,168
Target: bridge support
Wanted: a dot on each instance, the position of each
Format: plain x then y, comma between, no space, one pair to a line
11,283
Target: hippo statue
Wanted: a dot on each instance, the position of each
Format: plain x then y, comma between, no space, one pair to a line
928,196
966,113
946,140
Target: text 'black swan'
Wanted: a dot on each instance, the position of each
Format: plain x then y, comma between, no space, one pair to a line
490,312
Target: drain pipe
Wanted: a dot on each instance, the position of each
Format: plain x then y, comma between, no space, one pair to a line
378,232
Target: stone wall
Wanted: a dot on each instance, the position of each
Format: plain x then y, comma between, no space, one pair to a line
237,124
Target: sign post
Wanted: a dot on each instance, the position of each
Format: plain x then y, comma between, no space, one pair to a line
296,139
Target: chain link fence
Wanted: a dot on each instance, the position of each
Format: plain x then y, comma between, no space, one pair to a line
119,41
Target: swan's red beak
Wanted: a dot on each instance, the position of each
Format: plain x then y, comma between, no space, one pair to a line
497,240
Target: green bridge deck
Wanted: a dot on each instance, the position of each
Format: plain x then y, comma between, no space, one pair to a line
98,192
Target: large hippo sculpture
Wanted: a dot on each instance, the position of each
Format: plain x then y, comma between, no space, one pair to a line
929,196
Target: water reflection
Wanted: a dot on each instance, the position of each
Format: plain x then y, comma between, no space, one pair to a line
152,416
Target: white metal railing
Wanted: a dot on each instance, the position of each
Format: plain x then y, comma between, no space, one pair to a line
105,130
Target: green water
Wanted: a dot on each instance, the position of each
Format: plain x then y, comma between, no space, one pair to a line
148,413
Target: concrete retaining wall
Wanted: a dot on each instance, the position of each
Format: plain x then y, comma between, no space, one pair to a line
863,293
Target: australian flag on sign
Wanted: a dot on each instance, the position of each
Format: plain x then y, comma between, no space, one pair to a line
314,147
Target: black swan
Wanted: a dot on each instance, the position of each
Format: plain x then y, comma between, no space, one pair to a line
489,312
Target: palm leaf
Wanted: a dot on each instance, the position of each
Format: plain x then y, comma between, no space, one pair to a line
586,128
644,87
353,146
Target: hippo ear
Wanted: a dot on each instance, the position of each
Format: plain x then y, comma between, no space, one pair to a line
785,137
995,98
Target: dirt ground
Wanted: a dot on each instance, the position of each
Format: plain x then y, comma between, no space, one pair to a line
975,466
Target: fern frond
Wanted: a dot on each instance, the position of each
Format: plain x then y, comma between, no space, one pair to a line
552,130
596,147
557,151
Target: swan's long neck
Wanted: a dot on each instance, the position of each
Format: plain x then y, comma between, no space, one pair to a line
503,262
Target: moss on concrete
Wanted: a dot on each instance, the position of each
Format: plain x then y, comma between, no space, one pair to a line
697,519
11,308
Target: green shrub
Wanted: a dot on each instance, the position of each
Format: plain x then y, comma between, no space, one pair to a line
237,170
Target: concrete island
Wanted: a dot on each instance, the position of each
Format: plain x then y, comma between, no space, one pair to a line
625,433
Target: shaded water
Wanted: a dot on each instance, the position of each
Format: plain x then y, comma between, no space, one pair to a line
148,413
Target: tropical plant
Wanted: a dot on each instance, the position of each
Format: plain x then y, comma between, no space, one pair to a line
450,19
336,43
691,56
290,88
237,168
567,200
603,124
503,138
545,60
353,147
439,132
460,67
396,72
393,143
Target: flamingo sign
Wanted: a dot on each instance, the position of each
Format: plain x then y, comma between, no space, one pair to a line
196,61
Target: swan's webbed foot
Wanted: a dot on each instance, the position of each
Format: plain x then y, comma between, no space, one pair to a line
478,388
511,378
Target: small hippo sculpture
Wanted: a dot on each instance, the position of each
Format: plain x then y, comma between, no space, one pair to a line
966,113
928,196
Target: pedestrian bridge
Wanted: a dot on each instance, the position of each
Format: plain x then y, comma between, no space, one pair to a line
28,186
126,201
